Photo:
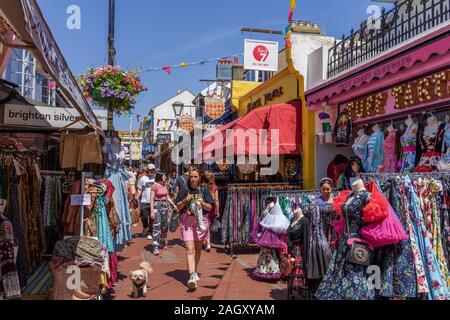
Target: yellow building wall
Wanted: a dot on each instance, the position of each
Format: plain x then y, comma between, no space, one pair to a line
238,90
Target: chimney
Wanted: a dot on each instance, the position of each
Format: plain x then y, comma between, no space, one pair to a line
308,24
316,25
292,23
236,60
301,23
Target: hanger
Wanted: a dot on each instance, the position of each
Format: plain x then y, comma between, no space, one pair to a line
3,203
77,119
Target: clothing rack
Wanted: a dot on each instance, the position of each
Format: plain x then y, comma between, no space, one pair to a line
52,173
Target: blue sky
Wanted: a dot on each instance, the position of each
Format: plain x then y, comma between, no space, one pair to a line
153,33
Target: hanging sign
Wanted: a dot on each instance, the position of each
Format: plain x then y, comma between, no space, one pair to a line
163,138
186,124
260,55
214,107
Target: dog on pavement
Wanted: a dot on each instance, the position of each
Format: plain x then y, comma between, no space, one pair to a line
139,279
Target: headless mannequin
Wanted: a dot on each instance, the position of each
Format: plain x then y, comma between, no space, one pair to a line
376,128
432,126
391,127
357,187
298,215
409,121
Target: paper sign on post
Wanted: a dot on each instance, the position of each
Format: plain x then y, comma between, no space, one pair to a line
79,200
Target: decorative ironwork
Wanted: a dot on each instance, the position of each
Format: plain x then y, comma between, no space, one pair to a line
406,20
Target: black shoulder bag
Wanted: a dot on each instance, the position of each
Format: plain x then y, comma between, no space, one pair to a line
358,252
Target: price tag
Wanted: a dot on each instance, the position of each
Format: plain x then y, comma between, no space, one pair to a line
78,199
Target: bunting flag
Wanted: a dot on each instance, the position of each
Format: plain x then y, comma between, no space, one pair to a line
168,69
138,117
293,4
286,30
51,85
290,14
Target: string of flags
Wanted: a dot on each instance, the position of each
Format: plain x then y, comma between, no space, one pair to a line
165,125
168,69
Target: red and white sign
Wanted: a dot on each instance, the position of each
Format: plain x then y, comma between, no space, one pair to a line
261,55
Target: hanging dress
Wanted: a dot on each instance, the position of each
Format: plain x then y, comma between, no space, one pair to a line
390,159
435,280
359,146
343,129
429,149
408,142
116,174
297,239
374,156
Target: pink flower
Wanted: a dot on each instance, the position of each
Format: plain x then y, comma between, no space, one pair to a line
436,284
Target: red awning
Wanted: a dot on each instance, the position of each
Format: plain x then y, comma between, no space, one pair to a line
284,118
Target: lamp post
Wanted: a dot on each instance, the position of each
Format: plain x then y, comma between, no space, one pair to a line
111,56
178,107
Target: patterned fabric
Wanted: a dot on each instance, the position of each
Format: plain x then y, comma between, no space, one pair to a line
408,142
9,278
161,222
298,277
268,265
390,159
429,148
343,129
398,272
434,277
430,193
343,280
446,156
319,251
100,216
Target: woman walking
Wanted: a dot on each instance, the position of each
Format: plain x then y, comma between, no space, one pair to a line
210,184
191,201
160,203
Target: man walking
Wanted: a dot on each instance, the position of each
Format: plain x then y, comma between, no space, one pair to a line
143,196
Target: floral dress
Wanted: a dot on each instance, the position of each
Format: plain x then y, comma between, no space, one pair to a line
390,160
344,280
435,279
397,266
408,142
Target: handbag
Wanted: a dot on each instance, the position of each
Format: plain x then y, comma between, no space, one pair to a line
174,221
286,265
216,226
359,249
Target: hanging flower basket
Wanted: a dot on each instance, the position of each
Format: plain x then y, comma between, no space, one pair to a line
111,87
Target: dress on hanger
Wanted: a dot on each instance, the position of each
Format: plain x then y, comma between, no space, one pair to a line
359,146
343,129
297,241
390,159
344,280
429,148
408,142
116,174
446,156
374,156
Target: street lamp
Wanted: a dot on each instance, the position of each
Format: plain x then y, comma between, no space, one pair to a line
178,107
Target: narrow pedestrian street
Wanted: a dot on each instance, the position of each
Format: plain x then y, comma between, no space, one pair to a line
221,277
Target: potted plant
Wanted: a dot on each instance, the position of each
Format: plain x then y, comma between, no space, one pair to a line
112,88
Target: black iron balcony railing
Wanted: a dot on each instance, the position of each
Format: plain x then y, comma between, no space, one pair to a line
406,20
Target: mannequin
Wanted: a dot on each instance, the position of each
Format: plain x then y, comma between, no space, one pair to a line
298,215
430,144
376,128
359,146
344,280
408,142
374,155
390,159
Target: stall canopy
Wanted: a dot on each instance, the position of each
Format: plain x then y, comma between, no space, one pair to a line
282,119
30,31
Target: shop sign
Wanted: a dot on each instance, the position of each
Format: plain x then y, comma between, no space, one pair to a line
368,106
268,97
52,59
163,138
214,107
224,71
186,124
49,117
424,90
260,55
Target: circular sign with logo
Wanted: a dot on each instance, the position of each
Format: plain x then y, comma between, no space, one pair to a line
261,53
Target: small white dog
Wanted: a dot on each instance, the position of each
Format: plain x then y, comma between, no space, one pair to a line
139,279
